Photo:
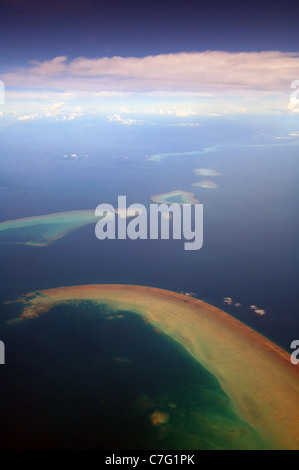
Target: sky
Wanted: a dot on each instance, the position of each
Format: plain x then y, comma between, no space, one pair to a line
126,59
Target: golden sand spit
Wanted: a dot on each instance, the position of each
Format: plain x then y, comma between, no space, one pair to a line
255,373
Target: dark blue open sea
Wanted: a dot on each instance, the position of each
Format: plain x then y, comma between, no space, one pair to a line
74,378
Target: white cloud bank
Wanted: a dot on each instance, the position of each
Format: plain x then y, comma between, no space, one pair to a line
198,71
210,83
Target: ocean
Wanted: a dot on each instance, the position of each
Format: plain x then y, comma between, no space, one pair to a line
62,383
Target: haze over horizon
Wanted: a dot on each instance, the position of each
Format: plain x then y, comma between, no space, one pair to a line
68,60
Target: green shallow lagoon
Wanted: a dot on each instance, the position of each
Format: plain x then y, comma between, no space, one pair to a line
80,379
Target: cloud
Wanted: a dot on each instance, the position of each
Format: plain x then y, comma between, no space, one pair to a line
268,71
54,110
126,121
59,111
185,113
180,85
27,117
293,105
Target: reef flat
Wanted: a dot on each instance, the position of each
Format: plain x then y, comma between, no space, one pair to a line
162,156
205,184
44,229
256,374
206,172
175,197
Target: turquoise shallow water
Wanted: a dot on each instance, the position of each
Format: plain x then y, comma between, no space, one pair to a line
41,231
80,379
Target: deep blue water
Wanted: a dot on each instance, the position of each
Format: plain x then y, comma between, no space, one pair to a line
75,379
250,250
